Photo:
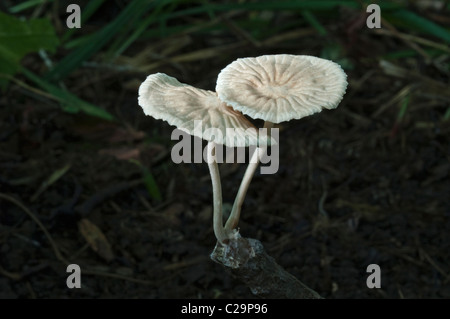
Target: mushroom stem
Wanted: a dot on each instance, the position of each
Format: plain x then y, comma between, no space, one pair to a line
233,219
219,230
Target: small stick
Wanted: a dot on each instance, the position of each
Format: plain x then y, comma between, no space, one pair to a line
247,261
16,202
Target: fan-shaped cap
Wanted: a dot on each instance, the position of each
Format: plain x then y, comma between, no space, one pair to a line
184,106
282,87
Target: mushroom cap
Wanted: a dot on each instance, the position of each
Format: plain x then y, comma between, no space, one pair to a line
281,87
164,97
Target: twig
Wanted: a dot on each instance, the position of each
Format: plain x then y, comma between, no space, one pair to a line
10,275
247,260
409,37
407,41
436,266
240,33
58,254
30,88
322,200
185,263
108,192
93,272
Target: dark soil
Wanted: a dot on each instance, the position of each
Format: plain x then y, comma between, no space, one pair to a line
356,186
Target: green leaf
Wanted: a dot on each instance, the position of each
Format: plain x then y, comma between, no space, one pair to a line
18,38
27,5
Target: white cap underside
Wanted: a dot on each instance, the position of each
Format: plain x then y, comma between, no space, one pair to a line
164,97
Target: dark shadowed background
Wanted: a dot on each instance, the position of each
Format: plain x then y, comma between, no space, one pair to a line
87,179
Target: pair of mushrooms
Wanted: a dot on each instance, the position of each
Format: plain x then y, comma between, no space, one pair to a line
274,88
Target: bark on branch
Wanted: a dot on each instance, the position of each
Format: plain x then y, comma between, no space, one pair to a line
246,259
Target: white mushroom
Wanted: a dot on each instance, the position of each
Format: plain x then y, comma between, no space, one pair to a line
278,88
164,97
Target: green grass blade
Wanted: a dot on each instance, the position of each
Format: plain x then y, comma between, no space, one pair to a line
55,176
87,12
311,19
315,5
415,22
149,181
447,115
134,10
150,184
27,5
69,102
78,42
121,46
403,108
